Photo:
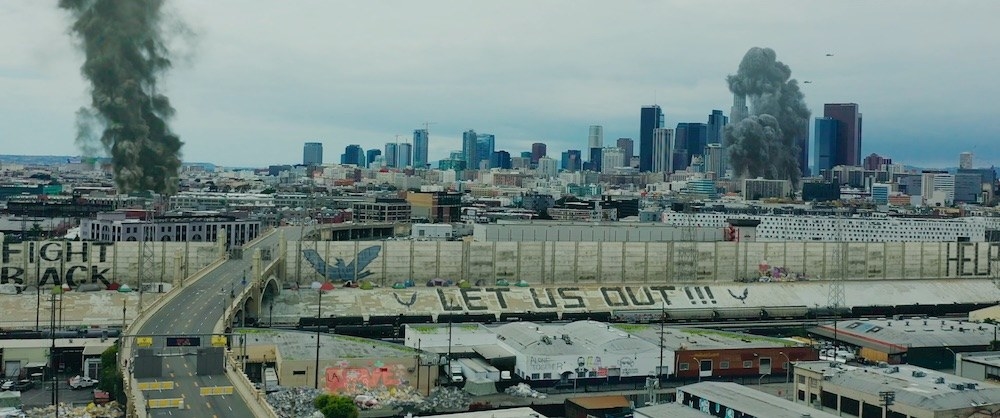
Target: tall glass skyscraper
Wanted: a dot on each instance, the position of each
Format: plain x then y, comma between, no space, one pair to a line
312,153
485,145
353,155
372,154
571,160
849,132
689,140
420,142
825,137
405,156
391,154
500,159
716,126
628,148
650,119
470,152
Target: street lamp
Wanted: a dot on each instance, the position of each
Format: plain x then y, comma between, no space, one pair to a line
319,312
761,378
788,369
697,363
954,361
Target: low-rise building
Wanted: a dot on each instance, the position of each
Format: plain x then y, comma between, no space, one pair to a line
924,342
182,227
983,365
725,399
385,210
892,391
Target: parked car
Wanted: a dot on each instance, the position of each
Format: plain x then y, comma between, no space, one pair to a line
80,382
23,385
6,385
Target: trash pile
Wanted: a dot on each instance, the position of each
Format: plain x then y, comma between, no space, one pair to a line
524,391
382,397
445,399
109,410
293,402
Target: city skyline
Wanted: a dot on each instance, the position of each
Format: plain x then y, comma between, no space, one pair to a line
342,73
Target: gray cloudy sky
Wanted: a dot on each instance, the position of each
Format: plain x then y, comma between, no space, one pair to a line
262,77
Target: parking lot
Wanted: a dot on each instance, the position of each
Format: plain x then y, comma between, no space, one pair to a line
41,395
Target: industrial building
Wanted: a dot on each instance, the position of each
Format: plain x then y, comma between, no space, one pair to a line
725,399
711,354
892,391
924,342
182,227
561,354
983,366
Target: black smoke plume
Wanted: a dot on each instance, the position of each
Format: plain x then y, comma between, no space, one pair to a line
125,54
756,146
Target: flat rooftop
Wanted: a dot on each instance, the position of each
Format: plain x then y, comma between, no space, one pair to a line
746,400
914,386
300,345
702,339
899,335
989,358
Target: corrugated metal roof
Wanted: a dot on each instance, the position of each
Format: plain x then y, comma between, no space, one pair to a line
897,336
922,391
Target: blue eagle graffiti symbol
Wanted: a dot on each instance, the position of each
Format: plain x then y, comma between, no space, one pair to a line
413,299
340,271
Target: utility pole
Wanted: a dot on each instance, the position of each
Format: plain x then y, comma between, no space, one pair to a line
663,318
886,399
835,297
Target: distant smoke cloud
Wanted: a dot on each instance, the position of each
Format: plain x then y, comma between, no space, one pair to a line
757,146
125,54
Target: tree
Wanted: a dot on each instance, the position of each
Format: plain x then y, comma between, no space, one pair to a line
336,406
112,380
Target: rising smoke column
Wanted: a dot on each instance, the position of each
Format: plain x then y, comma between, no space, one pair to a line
754,150
124,55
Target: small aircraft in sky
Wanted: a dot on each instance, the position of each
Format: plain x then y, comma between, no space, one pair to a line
829,55
807,82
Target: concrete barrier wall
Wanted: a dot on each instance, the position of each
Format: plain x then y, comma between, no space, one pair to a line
77,263
387,262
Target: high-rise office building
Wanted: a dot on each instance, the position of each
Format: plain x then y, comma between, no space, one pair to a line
628,148
716,126
391,155
571,160
848,132
353,155
739,111
825,138
875,162
594,162
312,153
662,150
485,145
689,140
612,158
537,151
500,159
404,158
715,161
470,149
595,139
803,156
372,154
965,160
420,146
548,167
650,119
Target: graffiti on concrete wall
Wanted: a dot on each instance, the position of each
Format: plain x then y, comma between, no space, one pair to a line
345,377
340,271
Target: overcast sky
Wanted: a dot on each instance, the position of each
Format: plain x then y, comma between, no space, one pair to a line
262,77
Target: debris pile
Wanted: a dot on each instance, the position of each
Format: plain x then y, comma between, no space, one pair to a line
524,391
445,399
293,402
109,410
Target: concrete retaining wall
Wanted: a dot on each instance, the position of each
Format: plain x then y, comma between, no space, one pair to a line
387,262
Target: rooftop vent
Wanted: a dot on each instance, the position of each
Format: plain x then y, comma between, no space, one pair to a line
919,373
939,379
957,386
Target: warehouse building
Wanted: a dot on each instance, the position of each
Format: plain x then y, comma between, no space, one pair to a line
725,399
892,391
983,366
924,342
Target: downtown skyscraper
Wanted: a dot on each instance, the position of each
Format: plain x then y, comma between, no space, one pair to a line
420,144
470,149
650,119
312,153
848,132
